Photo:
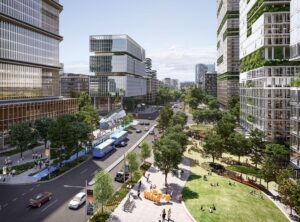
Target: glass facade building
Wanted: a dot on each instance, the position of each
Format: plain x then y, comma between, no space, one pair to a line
117,62
266,73
295,29
228,62
29,63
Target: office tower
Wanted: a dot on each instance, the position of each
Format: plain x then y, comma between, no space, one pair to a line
210,83
295,90
200,70
227,50
266,71
72,84
29,64
117,62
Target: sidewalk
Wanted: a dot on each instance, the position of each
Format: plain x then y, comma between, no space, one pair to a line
21,178
147,210
27,156
286,210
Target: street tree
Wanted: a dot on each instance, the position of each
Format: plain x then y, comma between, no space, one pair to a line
165,116
175,133
286,189
132,162
268,171
214,145
42,127
257,146
60,136
84,100
23,135
79,136
103,188
145,151
279,154
178,118
234,106
167,156
238,145
88,114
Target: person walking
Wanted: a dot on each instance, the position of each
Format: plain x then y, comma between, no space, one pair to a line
138,193
148,176
169,214
140,184
163,214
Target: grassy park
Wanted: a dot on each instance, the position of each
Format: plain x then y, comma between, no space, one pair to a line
232,202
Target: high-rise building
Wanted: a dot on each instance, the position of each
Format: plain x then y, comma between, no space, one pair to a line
29,64
295,29
187,84
200,70
71,84
152,82
171,83
117,62
295,91
228,50
266,73
210,83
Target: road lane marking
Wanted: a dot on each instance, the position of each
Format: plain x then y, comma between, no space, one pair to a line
31,189
83,171
23,194
5,205
49,205
15,199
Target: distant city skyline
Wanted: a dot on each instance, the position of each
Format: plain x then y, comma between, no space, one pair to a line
173,35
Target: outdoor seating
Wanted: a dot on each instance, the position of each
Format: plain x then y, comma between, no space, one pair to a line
156,196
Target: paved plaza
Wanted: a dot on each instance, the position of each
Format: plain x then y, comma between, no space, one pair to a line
146,210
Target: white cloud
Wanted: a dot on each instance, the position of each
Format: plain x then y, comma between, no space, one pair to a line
179,62
81,67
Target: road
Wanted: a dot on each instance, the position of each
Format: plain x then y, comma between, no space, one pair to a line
14,198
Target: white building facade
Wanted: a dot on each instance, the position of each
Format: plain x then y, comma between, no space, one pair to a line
266,72
227,50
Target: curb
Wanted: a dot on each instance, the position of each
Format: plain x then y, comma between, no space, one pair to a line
47,181
114,164
187,212
285,214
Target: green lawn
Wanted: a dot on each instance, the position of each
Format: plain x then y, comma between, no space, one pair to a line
233,203
201,127
245,170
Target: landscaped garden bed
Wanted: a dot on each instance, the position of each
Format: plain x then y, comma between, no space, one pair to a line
20,168
119,195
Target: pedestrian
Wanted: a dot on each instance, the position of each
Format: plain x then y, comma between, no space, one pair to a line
151,186
163,214
140,184
41,164
32,155
210,210
169,214
139,193
148,176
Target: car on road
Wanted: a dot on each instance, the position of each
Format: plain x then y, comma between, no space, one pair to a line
120,176
142,123
122,144
40,199
151,132
77,201
138,131
146,128
147,123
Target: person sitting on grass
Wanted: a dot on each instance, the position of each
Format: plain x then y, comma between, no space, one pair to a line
201,208
213,207
210,210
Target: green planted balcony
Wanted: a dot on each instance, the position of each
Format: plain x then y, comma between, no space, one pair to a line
250,118
296,82
249,84
250,101
261,7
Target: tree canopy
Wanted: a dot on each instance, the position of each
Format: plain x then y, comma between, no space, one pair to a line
42,127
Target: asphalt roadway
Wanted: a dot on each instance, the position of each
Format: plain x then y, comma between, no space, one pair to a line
14,198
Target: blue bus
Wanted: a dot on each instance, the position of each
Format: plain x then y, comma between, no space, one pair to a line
104,148
119,137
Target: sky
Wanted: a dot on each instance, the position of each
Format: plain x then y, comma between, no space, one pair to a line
176,34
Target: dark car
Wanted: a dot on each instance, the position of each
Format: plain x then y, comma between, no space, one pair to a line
120,176
122,144
142,123
40,199
138,131
151,132
147,124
